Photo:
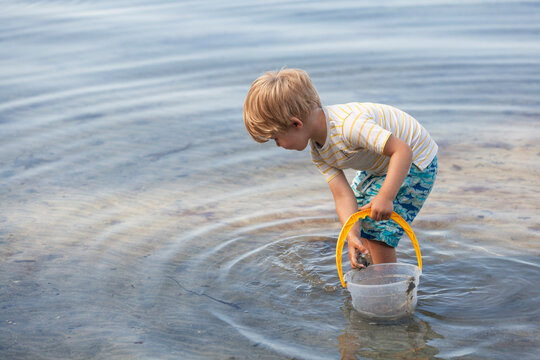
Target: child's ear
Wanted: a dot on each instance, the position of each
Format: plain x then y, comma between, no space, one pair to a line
297,123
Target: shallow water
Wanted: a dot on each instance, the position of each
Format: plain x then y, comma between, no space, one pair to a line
139,220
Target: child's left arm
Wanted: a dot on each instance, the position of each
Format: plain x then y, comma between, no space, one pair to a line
400,162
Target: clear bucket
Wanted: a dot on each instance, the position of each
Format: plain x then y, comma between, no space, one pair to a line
384,291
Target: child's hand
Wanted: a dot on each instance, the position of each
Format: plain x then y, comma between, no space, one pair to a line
355,247
381,208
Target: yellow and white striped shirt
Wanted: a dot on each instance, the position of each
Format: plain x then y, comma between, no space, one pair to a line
357,133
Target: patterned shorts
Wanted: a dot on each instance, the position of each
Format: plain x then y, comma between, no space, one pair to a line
408,202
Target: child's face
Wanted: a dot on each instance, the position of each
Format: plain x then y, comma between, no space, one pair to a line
294,138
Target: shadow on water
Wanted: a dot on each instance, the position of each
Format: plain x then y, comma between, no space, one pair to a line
407,338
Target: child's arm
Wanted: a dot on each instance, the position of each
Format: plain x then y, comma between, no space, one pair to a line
346,205
382,205
400,162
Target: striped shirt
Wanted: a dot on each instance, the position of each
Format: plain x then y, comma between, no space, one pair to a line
357,133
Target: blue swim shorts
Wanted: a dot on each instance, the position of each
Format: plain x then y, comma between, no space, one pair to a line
408,202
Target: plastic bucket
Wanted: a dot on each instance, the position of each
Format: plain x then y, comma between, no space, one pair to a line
384,291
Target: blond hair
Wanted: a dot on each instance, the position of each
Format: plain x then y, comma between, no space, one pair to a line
276,97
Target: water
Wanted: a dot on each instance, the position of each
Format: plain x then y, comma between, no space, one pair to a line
139,220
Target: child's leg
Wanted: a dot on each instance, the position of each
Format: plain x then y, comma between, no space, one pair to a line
376,236
381,237
380,252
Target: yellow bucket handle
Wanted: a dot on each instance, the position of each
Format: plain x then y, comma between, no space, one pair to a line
362,214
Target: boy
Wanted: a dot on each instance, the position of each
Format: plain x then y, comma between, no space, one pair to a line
395,155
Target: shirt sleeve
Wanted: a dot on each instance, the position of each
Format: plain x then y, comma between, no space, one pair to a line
361,131
328,171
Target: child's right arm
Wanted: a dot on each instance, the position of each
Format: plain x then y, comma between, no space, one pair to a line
346,205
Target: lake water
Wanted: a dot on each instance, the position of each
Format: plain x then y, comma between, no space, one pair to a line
139,220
